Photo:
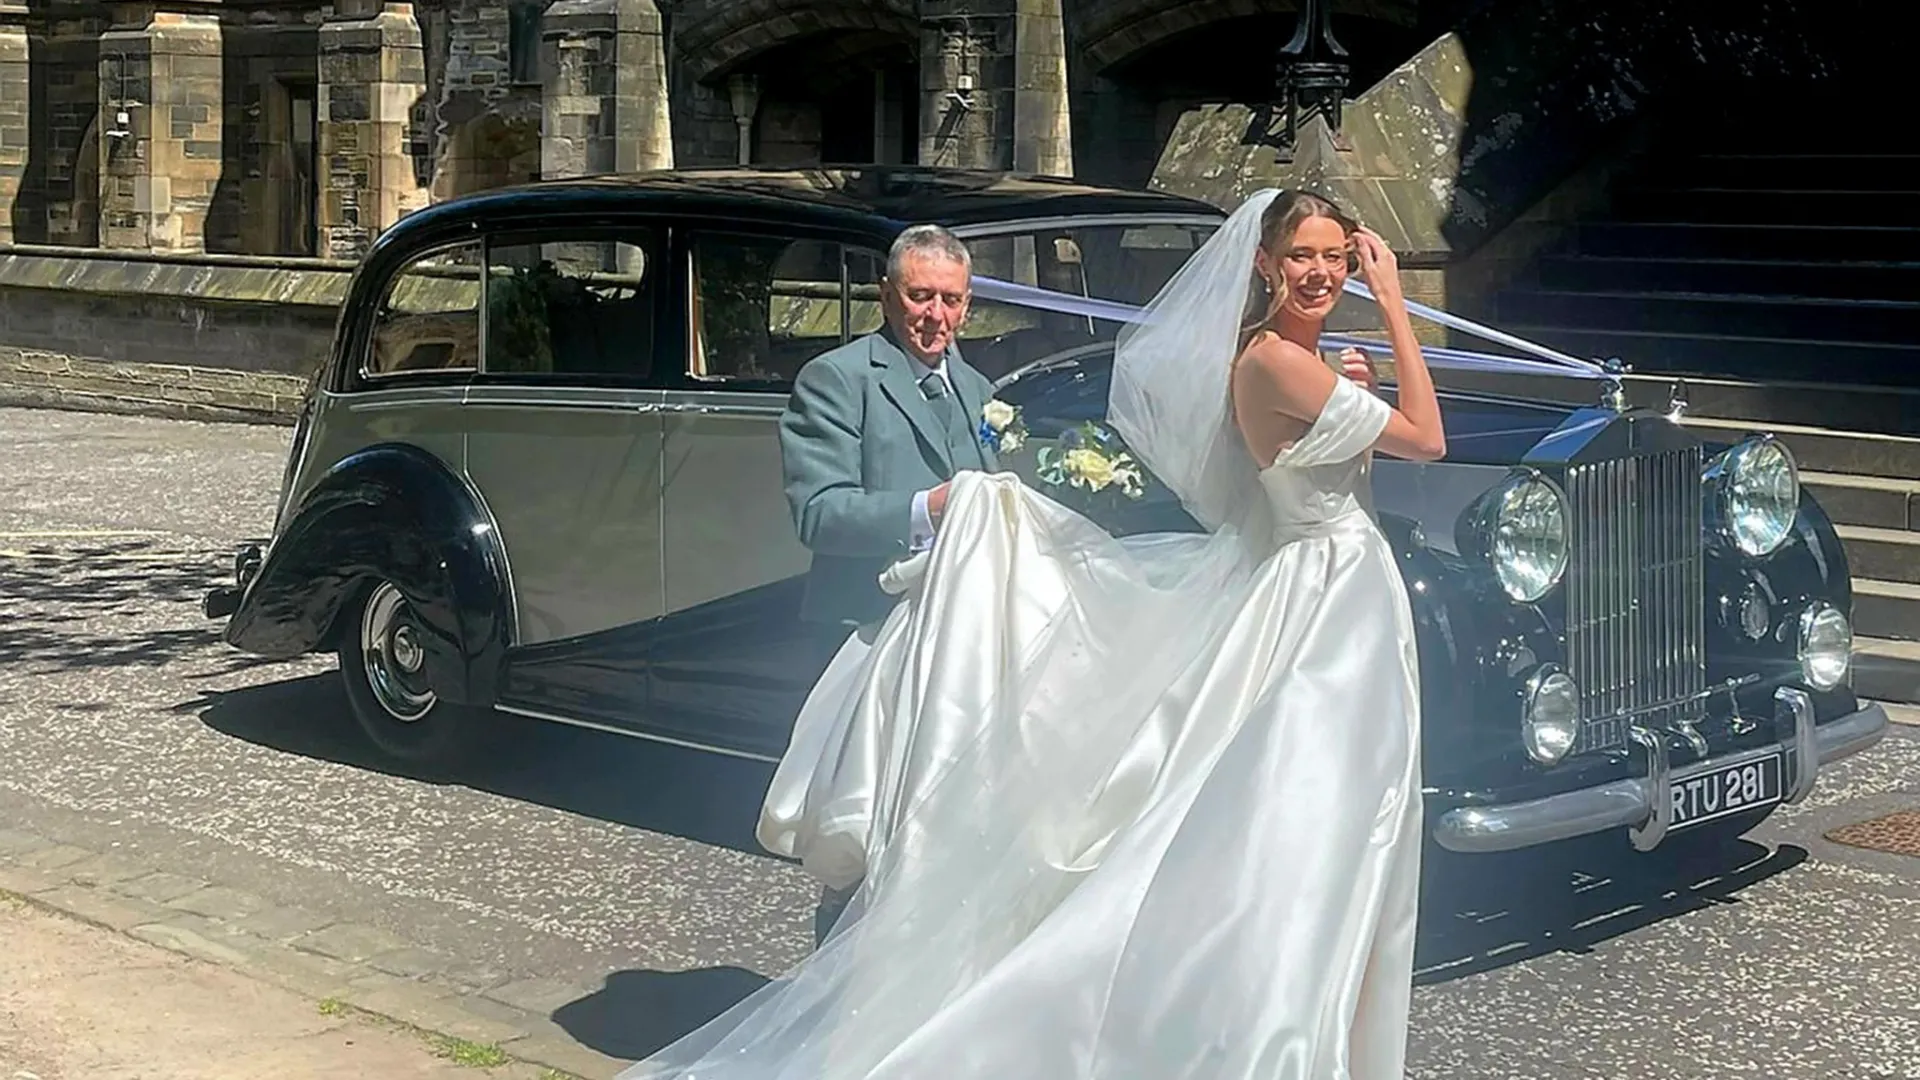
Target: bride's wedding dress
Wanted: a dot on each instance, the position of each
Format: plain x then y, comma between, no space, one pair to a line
1120,808
1109,831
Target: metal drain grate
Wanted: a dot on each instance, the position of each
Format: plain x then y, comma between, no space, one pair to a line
1897,834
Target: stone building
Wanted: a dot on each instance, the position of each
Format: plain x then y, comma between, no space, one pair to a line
1579,171
282,127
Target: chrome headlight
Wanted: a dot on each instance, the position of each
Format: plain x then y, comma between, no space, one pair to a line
1519,529
1551,719
1826,646
1753,494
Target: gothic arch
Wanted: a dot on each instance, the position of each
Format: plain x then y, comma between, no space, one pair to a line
1113,32
715,37
81,225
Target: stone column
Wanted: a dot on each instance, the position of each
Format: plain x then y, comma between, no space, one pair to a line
604,108
160,128
1042,128
993,80
372,77
15,127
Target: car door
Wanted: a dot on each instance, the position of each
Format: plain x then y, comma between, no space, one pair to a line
563,442
732,662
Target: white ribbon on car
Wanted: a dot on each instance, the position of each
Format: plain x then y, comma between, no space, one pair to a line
1540,360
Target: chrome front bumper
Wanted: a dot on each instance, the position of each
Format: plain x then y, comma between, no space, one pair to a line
1640,804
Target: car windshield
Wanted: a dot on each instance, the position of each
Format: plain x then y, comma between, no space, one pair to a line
1120,262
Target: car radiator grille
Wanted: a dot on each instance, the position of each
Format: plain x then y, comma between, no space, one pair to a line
1635,622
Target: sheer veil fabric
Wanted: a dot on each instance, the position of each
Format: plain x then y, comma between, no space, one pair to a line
1124,808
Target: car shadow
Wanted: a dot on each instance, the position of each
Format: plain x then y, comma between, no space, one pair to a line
636,1013
1483,913
704,797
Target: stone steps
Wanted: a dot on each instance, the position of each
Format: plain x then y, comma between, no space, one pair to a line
1669,273
1886,609
1886,670
1880,501
1824,449
1710,315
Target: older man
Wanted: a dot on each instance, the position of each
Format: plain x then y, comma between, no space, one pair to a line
874,430
872,434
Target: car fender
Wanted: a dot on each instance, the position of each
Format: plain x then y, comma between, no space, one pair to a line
397,513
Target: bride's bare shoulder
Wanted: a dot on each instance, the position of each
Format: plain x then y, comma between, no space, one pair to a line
1271,361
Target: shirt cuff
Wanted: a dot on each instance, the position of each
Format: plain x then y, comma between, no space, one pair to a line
921,537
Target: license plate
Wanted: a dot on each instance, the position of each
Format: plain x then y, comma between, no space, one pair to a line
1725,789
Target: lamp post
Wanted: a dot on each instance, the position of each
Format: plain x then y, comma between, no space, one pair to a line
1312,70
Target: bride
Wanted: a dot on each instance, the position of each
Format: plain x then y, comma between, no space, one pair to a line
1146,807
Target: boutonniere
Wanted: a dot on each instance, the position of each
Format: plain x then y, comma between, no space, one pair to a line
1001,428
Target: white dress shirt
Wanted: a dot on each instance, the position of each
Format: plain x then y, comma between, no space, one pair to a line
921,537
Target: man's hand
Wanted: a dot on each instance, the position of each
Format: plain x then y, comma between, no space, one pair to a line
937,503
1355,365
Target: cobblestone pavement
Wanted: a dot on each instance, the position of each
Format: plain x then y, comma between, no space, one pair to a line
587,898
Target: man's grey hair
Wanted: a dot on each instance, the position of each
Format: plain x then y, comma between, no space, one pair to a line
926,240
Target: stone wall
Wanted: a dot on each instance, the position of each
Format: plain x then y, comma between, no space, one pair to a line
59,197
192,337
268,193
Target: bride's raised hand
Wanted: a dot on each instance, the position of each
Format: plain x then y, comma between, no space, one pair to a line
1378,266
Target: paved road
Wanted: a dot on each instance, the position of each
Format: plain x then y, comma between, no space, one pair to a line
590,861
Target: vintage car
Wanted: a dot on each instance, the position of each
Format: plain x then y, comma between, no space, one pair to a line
538,477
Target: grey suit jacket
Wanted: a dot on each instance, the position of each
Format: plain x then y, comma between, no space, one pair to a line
857,440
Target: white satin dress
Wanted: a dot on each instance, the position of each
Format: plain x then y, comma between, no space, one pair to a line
1122,811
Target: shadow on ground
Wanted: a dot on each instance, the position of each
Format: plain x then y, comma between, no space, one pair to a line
95,605
1482,913
706,798
1568,902
638,1012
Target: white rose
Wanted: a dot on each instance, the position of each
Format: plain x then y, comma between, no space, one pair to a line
1090,466
998,414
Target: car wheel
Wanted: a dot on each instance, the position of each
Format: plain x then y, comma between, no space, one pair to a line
383,662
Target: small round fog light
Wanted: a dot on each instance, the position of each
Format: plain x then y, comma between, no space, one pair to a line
1552,717
1826,646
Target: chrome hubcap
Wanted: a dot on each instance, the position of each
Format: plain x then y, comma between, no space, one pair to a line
393,657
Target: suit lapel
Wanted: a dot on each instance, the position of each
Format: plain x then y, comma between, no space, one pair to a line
972,389
897,381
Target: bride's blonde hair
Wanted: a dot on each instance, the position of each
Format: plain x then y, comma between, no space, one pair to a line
1278,222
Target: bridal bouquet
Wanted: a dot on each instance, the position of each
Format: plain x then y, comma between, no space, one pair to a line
1088,459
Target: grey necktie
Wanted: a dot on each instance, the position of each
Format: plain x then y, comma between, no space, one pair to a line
961,442
934,389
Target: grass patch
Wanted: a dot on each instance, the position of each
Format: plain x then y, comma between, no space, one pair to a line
332,1007
471,1054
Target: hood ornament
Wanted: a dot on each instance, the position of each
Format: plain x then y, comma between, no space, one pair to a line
1614,394
1677,400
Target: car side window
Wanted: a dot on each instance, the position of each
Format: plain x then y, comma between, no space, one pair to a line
572,305
762,306
428,320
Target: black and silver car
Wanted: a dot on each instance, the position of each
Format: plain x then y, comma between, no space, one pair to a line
538,477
